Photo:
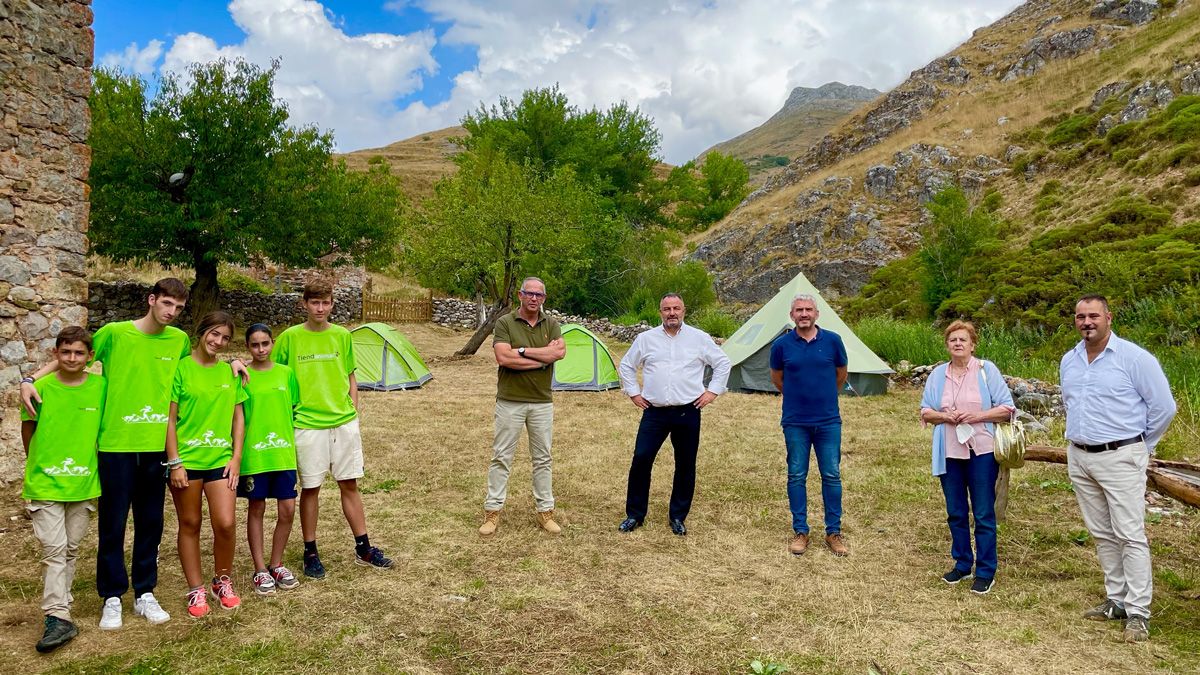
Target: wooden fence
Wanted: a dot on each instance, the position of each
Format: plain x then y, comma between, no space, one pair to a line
381,308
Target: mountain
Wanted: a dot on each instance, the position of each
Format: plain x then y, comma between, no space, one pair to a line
420,161
1074,116
806,116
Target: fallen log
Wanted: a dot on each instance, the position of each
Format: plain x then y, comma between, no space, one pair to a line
1174,479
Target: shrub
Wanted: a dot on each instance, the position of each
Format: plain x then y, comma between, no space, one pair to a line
1122,133
1192,179
1125,156
716,322
1181,155
1072,130
231,280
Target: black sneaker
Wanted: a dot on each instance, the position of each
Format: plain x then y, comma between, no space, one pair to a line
313,569
374,558
629,525
954,576
981,586
1107,611
58,633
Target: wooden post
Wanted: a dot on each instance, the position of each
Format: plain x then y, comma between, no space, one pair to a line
1001,495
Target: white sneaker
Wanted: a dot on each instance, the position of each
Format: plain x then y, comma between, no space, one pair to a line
148,606
110,617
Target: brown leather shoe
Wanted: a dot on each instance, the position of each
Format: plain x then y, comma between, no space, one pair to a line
491,520
836,545
799,544
546,521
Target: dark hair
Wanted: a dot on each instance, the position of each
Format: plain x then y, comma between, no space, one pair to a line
212,320
318,289
258,328
73,334
1094,297
170,287
672,294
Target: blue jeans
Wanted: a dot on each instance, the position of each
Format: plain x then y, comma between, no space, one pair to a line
826,442
975,478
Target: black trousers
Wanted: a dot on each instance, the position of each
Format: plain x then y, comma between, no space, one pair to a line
137,481
682,425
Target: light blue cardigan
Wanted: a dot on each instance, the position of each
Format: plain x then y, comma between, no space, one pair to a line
992,390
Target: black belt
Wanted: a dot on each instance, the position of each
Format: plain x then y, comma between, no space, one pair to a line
1105,447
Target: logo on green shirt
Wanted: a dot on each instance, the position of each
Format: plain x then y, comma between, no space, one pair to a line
271,441
68,468
146,417
319,357
209,440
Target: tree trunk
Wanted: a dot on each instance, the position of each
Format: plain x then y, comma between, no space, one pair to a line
484,330
205,292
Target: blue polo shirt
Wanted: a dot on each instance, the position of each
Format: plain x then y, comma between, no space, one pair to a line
810,391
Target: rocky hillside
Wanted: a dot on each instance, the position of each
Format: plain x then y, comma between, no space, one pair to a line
803,120
420,161
1024,108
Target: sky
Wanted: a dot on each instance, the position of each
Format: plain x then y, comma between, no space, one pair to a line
378,71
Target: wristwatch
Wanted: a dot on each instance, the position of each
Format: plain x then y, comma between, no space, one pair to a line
521,351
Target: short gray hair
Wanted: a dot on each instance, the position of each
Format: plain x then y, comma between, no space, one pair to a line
808,297
671,294
529,279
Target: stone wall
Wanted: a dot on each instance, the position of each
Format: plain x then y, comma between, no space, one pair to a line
122,301
455,313
45,76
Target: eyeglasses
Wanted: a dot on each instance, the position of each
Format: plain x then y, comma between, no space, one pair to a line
532,294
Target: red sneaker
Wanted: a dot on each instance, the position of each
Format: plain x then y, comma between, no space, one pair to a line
222,592
197,602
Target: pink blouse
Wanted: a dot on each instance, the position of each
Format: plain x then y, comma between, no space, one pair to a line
962,393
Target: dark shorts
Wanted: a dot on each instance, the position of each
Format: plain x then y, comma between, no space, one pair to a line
269,485
206,475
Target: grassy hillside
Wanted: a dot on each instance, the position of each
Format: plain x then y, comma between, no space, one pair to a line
420,161
807,116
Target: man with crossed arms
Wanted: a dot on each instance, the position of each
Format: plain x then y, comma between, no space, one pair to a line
672,358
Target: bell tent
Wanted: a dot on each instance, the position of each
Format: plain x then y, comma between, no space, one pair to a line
749,348
587,366
385,360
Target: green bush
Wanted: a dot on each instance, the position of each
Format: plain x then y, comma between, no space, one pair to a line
1124,156
1192,179
1072,130
232,280
716,322
1181,155
1122,133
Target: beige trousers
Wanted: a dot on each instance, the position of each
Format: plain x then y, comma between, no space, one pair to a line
59,526
1111,490
538,420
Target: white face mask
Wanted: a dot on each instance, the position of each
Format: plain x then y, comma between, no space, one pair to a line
964,432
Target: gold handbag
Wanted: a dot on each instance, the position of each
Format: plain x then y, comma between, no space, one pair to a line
1008,439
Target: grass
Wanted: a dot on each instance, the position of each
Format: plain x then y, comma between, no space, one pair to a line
594,600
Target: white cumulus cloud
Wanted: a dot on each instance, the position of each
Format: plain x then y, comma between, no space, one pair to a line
135,59
704,70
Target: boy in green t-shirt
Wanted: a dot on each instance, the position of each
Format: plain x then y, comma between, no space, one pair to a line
61,474
327,435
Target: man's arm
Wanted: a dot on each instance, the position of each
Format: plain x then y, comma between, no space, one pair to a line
354,390
1151,383
509,358
553,351
627,372
27,429
721,365
777,379
842,374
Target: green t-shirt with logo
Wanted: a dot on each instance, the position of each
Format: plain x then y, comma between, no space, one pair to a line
526,386
139,369
62,464
322,362
270,437
206,397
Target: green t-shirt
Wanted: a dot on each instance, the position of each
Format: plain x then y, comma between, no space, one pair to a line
62,465
270,438
206,397
525,386
139,369
323,362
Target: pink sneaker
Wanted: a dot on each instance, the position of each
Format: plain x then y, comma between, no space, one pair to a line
222,591
197,603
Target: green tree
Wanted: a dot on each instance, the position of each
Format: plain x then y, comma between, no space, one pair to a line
956,232
496,221
208,171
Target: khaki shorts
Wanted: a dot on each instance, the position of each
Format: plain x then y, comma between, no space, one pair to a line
337,451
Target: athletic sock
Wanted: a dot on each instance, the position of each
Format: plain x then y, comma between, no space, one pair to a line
310,548
362,545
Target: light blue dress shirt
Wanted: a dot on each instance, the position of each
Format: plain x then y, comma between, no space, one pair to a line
1121,394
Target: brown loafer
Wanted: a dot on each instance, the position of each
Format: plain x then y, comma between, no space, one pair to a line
836,545
799,544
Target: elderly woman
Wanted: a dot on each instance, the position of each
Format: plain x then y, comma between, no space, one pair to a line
963,398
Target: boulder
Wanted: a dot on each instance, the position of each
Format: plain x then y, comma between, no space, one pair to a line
1136,12
881,180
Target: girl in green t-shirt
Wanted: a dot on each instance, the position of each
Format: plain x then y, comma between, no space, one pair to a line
205,431
269,461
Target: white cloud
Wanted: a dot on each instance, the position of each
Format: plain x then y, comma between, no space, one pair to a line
705,71
140,60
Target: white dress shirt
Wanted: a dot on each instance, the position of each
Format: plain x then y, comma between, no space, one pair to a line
1121,394
673,366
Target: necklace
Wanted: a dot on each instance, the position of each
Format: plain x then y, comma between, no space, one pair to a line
958,383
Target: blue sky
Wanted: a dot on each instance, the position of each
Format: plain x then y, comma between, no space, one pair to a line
377,71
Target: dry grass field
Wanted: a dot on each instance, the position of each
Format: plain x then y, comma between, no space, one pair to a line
595,600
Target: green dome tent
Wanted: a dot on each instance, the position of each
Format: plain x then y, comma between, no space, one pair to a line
587,366
386,360
749,348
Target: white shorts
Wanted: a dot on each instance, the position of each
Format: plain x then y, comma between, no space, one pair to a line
337,451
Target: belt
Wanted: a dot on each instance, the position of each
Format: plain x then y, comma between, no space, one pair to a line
1105,447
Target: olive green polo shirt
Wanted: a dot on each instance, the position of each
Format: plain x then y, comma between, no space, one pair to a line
525,386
